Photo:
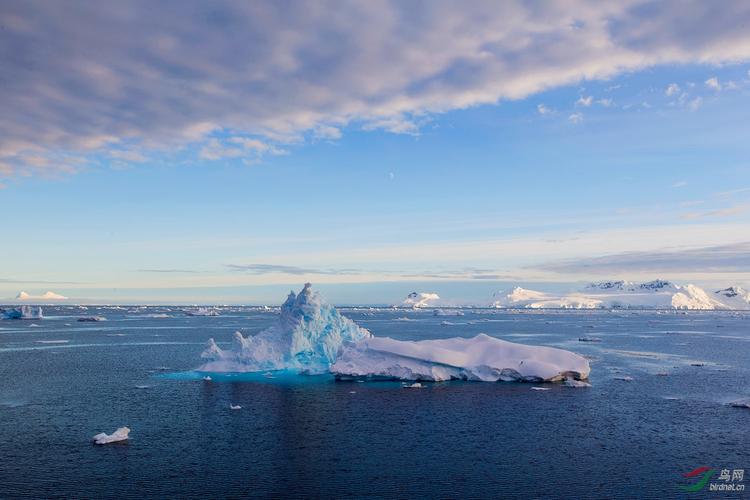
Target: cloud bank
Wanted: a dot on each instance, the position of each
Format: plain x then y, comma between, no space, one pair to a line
716,259
44,296
85,83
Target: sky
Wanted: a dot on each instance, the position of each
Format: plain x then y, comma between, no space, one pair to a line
195,152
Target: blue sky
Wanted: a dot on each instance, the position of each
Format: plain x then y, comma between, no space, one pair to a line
183,177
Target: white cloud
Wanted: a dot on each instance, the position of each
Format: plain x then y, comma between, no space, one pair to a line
584,101
713,83
576,118
605,102
176,76
542,109
679,184
672,89
695,103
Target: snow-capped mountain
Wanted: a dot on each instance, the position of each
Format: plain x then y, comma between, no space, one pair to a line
420,299
657,294
735,297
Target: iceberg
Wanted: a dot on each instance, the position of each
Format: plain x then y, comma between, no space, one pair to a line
202,311
481,358
312,337
307,338
23,312
120,434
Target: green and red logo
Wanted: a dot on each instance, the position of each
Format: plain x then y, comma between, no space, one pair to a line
703,475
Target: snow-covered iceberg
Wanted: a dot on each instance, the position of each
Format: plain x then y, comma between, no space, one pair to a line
312,337
481,358
23,312
656,294
307,338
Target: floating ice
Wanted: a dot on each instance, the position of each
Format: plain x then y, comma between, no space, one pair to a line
415,385
234,407
23,312
207,378
307,339
202,311
540,388
482,358
312,337
120,434
625,378
575,384
741,403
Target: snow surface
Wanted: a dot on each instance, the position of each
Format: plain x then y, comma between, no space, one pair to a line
481,358
657,294
312,337
120,434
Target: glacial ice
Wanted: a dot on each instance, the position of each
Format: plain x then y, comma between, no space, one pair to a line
307,339
23,312
311,337
120,434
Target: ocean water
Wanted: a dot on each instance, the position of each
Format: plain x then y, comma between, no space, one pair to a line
63,381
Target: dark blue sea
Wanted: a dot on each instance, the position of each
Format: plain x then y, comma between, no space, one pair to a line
62,381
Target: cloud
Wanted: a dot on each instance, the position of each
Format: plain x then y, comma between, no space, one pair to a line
584,101
258,269
714,259
695,103
722,212
542,109
168,271
605,102
672,89
713,83
45,296
679,184
575,118
82,79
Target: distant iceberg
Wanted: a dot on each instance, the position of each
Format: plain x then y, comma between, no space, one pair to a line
202,311
312,337
23,312
656,294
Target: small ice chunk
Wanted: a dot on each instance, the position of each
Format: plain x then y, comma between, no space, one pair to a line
575,384
415,385
540,388
120,434
625,378
207,378
740,403
142,386
234,407
589,339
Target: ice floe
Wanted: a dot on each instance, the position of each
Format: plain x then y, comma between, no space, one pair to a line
119,435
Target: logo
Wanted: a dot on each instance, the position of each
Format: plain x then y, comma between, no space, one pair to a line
731,481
